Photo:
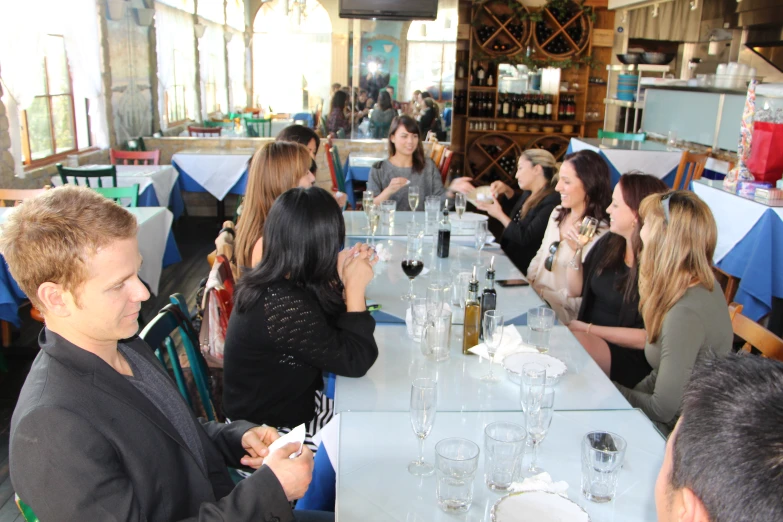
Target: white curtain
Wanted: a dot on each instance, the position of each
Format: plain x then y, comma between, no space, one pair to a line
236,72
175,43
675,22
212,64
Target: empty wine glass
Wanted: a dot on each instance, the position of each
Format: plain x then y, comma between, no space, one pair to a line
424,402
481,237
586,232
538,417
533,377
493,334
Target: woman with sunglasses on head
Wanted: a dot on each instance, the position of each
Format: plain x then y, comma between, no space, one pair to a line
524,216
584,192
609,324
682,304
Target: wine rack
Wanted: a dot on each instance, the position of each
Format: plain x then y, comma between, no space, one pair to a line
493,157
562,33
557,145
498,30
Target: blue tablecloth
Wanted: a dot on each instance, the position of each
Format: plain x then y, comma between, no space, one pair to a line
322,492
306,117
188,184
351,174
148,198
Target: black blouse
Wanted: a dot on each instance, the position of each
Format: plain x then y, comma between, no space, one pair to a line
603,302
275,354
522,238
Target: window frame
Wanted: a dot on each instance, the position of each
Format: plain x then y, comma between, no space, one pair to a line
173,90
28,161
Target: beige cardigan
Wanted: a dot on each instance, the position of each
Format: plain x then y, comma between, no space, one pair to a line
553,286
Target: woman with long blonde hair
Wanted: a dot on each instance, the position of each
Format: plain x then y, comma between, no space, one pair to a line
684,311
274,168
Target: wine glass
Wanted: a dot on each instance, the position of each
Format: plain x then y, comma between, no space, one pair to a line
460,204
493,334
586,232
538,417
481,237
367,200
374,218
424,401
412,265
413,198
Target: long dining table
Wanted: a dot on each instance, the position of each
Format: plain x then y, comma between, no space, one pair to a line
372,441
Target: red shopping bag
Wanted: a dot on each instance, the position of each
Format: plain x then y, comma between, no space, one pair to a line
766,152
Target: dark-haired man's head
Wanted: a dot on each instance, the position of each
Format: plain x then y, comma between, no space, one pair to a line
724,460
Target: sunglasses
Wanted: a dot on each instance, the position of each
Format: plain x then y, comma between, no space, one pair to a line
552,252
665,205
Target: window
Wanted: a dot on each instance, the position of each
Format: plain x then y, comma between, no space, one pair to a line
176,52
236,72
49,124
212,49
211,10
176,105
433,44
235,14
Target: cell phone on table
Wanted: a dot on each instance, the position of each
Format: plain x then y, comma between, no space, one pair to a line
372,306
512,282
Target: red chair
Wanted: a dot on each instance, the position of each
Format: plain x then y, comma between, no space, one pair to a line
204,132
330,164
128,157
445,164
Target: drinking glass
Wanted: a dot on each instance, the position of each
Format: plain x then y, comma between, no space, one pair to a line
460,288
413,198
367,199
538,418
533,381
388,209
540,321
431,211
671,141
504,448
586,232
435,342
415,234
602,458
374,218
434,301
457,462
481,237
460,203
418,307
493,334
412,265
424,402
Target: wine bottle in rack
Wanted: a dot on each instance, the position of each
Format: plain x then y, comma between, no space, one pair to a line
506,106
481,75
549,107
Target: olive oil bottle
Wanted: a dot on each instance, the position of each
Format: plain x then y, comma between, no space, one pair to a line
470,336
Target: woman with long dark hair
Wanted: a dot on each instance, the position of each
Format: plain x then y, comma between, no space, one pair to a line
407,165
337,119
430,119
584,189
381,116
299,313
609,324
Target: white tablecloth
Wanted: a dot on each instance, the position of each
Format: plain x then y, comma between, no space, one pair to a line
161,177
649,157
215,170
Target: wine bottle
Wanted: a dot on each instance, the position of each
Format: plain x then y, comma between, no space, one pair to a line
489,298
481,75
444,234
472,319
506,106
548,109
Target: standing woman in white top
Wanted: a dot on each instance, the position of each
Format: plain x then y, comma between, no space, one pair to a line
585,190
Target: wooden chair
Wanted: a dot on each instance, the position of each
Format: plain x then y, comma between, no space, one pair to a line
121,193
755,335
690,169
626,136
445,164
204,132
259,127
437,152
86,175
25,510
16,196
126,157
728,283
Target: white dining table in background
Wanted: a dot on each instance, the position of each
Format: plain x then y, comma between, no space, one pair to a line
214,170
373,482
386,386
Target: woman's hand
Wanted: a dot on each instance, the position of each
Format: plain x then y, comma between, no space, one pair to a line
395,185
571,234
462,184
577,326
341,198
493,208
499,188
357,274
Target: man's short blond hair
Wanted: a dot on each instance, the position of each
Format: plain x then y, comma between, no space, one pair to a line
50,238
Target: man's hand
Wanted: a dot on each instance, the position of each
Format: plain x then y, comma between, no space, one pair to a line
256,443
294,474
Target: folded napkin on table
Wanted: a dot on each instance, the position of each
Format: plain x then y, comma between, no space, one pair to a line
383,252
541,482
510,343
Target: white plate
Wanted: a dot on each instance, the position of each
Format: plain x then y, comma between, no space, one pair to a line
555,368
537,506
468,217
480,194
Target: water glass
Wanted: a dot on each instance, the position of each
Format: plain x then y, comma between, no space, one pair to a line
456,461
504,448
540,321
533,381
415,234
602,459
671,141
436,340
431,213
435,301
388,209
424,404
418,309
460,288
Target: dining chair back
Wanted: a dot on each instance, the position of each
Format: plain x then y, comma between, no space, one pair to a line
445,165
15,196
217,306
204,132
25,510
132,157
728,283
625,136
755,335
690,169
437,152
158,334
90,177
338,168
330,164
121,194
259,127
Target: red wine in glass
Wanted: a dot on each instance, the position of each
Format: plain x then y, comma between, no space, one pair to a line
411,268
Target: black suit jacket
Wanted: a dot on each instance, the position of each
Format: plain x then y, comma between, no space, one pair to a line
522,239
87,445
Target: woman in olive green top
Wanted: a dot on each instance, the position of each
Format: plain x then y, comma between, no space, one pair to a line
684,311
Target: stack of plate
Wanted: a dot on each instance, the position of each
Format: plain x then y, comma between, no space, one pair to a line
626,87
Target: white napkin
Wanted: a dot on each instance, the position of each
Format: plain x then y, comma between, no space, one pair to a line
541,482
510,343
297,434
383,252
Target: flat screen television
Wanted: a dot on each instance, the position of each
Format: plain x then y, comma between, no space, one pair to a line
389,9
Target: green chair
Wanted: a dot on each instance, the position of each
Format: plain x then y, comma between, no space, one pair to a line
380,131
627,136
340,134
322,126
27,513
119,193
338,168
259,127
86,175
